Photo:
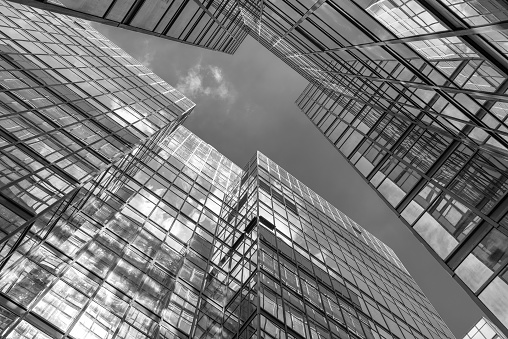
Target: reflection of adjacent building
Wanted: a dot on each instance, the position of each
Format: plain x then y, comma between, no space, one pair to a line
451,194
316,267
72,104
413,95
129,262
188,245
405,60
305,285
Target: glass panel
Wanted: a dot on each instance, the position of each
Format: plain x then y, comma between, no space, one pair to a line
435,235
404,18
495,297
478,266
93,7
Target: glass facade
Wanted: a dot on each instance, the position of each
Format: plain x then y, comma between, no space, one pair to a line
320,274
211,24
176,241
413,94
484,330
451,194
71,105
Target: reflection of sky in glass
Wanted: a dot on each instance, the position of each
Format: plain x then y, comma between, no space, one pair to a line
323,206
151,239
95,103
306,227
495,297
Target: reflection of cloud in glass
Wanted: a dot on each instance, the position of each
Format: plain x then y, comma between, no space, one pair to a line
412,212
142,204
162,219
473,272
181,232
391,192
495,297
435,235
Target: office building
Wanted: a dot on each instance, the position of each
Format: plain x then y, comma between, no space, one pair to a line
176,241
413,95
484,329
71,104
213,24
448,187
405,57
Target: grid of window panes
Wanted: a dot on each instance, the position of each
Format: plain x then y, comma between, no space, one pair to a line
270,37
418,110
212,24
204,159
322,275
229,301
455,83
452,196
156,247
129,258
71,103
484,329
25,234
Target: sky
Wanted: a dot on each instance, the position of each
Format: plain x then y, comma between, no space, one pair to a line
246,102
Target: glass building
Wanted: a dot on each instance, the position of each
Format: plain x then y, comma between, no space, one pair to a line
484,329
176,241
71,104
413,95
211,24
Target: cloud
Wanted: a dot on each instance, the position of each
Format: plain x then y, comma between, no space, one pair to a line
147,59
192,83
217,73
208,81
147,56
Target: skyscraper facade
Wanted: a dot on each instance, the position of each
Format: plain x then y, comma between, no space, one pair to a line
484,329
413,95
176,241
406,58
448,186
71,104
212,24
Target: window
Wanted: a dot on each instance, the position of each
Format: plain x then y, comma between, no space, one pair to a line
481,263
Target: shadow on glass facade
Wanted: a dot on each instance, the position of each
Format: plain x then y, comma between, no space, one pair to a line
176,241
212,24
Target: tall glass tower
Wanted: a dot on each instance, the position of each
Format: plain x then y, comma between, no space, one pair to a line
212,24
413,95
71,104
449,187
430,61
411,92
176,241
